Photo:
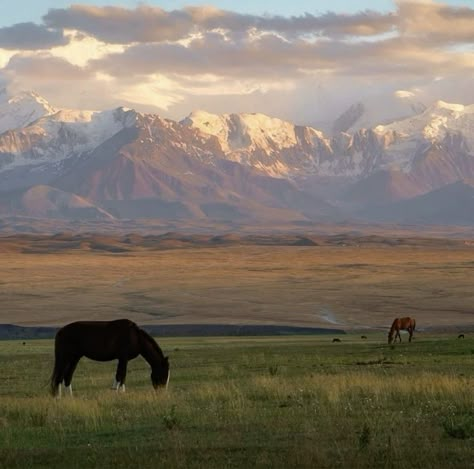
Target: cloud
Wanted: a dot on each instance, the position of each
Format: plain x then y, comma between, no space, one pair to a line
30,36
365,23
211,54
436,23
416,39
120,25
272,57
43,67
151,24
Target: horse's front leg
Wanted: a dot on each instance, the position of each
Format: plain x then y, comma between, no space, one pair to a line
120,375
410,331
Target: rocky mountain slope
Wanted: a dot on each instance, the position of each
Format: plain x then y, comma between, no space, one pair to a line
452,204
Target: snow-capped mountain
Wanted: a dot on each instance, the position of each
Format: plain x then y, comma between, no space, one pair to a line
121,163
276,147
17,111
282,149
437,122
61,135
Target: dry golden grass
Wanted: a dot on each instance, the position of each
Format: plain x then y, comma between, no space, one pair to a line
356,286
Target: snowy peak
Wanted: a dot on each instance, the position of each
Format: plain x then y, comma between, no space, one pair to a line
244,131
58,136
209,124
440,105
270,145
20,110
437,122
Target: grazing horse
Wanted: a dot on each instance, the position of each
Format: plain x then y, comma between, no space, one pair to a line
336,339
461,336
406,324
104,341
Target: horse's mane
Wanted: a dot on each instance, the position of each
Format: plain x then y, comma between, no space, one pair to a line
394,325
151,341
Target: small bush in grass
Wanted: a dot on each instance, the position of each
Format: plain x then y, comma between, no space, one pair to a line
364,437
170,419
273,370
461,427
39,419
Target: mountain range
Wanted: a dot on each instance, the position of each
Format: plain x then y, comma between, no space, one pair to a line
408,164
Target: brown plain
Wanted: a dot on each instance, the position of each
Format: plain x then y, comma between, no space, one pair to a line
350,284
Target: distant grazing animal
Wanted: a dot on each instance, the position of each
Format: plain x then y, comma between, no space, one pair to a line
336,339
461,336
406,324
104,341
363,337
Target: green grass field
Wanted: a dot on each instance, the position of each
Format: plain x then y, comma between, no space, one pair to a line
248,402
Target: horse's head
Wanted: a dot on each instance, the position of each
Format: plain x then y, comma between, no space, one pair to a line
390,337
160,374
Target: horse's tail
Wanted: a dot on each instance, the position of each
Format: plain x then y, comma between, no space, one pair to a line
56,375
53,381
390,333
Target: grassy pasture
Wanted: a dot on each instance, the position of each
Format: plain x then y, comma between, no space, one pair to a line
249,402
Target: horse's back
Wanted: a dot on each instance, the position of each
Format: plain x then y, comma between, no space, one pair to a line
95,326
407,322
404,323
98,340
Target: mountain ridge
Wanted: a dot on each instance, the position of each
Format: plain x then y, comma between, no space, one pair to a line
122,163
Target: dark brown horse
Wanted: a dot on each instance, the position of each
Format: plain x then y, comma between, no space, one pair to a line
120,340
405,324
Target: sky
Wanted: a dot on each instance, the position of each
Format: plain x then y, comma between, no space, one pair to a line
304,61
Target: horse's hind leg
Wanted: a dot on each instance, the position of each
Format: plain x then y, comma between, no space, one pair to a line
71,367
410,331
60,365
120,375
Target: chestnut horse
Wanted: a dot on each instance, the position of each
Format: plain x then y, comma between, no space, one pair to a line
406,324
120,340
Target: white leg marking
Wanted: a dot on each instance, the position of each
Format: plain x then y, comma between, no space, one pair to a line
69,388
122,387
116,385
168,379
